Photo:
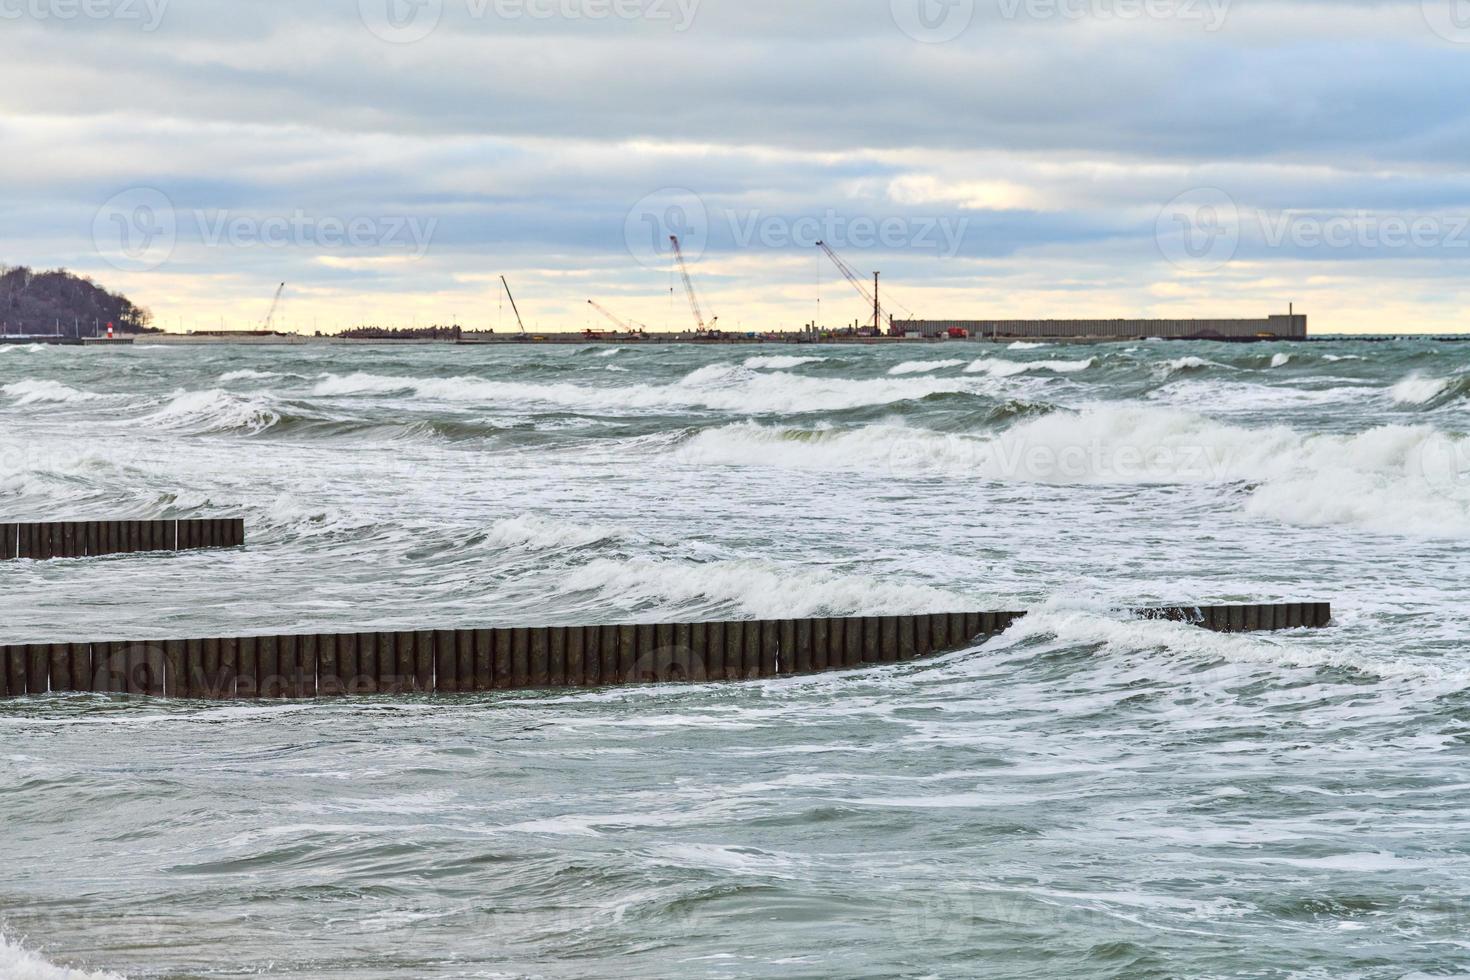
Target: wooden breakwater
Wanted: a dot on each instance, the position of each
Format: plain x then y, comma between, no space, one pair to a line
86,539
457,661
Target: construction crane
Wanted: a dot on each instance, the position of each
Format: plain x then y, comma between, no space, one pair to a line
689,288
513,304
627,326
270,317
870,297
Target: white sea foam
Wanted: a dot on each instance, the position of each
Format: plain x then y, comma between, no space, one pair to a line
1239,652
780,361
247,375
18,963
532,532
1190,363
214,410
610,352
923,367
1395,479
759,588
1417,390
723,387
1000,368
44,391
1026,345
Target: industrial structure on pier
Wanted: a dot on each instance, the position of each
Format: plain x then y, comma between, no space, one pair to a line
1286,326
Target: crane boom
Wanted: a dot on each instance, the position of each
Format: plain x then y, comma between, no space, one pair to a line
689,287
870,296
513,304
627,325
270,315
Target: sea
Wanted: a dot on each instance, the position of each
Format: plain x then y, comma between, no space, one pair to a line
1086,795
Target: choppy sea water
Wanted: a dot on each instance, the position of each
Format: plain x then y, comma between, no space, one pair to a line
1085,796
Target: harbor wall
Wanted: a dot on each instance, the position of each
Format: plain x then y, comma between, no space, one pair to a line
454,661
86,539
1281,327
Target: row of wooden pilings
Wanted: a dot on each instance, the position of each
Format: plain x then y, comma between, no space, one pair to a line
89,539
454,661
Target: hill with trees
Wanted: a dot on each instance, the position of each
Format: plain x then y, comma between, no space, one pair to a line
59,301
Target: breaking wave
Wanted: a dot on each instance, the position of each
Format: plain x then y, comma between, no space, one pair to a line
759,588
531,532
1000,368
247,375
41,391
922,367
214,410
1187,364
780,361
18,963
1393,479
1220,656
720,387
1426,392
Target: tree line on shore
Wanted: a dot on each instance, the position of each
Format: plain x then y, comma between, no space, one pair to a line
58,301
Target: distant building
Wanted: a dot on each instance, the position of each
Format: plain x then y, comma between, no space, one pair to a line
1291,326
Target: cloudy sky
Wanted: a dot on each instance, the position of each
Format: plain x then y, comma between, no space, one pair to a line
390,159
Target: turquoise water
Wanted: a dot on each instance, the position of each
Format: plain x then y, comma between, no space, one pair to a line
1085,796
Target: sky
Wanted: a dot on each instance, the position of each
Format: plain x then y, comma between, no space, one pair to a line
390,160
